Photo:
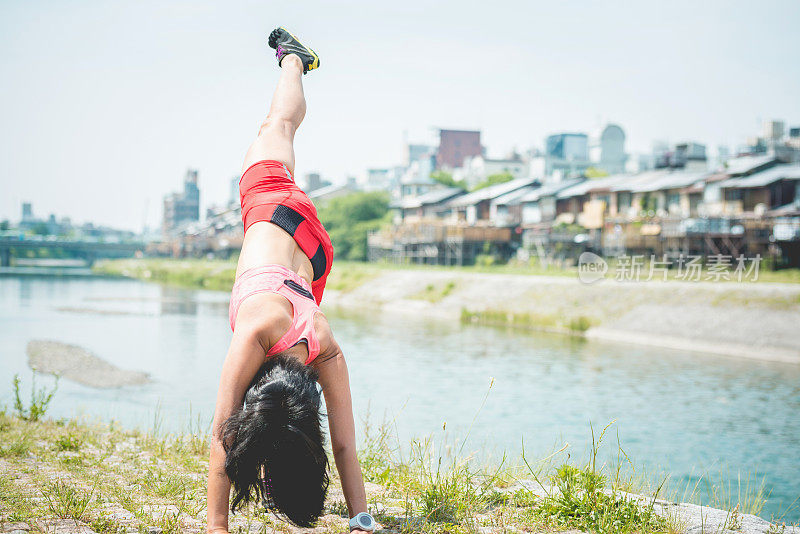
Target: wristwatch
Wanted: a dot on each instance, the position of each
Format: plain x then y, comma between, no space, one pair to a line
363,521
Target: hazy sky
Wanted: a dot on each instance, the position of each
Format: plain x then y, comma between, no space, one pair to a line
104,105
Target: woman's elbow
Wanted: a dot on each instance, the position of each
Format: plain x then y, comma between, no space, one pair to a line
341,450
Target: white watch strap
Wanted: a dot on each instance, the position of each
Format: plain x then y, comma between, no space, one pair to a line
355,523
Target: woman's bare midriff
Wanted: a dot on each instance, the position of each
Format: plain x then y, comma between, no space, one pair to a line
265,243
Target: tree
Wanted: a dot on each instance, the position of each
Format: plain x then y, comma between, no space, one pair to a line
494,179
348,219
446,179
40,229
594,172
4,225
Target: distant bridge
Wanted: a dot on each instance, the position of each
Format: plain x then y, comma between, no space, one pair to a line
89,251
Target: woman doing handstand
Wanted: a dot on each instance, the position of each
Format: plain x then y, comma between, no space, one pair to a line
267,438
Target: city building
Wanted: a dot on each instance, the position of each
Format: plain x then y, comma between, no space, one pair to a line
773,131
722,157
233,192
539,204
505,210
328,192
49,226
416,180
690,156
183,207
638,163
477,205
313,181
768,189
476,169
607,149
566,155
794,138
432,204
413,152
27,212
381,179
455,145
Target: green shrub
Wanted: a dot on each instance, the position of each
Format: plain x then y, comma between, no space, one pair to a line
348,220
579,324
67,502
40,399
69,442
580,500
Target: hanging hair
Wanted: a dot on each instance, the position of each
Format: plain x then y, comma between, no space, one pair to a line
274,443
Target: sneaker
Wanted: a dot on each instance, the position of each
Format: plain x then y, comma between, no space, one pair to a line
285,43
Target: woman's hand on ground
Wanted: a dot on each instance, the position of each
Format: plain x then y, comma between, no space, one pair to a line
217,531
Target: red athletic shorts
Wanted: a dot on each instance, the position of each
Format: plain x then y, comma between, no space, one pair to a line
268,193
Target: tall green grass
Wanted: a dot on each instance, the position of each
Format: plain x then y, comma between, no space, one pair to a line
432,485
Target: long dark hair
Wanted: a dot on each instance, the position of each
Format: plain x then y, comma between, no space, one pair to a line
274,443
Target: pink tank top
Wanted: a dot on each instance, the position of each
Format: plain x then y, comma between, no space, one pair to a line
278,279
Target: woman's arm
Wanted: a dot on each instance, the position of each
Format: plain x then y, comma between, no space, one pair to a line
245,357
335,383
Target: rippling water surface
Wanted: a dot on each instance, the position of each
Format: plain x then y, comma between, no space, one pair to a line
686,414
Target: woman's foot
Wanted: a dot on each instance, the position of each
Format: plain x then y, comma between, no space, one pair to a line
285,43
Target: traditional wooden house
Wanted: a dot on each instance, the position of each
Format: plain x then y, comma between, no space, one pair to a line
761,191
475,207
432,204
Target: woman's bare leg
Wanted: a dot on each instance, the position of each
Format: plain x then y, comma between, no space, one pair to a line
276,136
266,243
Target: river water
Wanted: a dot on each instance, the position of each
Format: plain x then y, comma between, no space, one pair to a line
686,414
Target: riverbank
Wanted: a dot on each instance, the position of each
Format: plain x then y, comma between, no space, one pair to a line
78,476
756,320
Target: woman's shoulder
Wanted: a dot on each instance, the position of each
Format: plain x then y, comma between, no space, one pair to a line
328,347
267,315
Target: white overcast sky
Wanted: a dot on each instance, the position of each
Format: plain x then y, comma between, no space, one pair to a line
103,105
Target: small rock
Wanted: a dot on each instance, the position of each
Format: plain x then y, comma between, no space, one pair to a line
371,487
14,528
53,525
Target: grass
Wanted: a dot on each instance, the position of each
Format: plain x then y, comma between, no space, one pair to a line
435,292
190,273
118,480
576,325
218,274
40,399
348,275
66,501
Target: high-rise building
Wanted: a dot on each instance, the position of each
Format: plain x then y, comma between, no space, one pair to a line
690,156
27,212
414,152
723,155
233,192
660,154
607,150
773,130
455,145
794,137
183,207
566,154
312,182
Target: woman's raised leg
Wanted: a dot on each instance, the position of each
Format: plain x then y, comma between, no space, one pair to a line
276,136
